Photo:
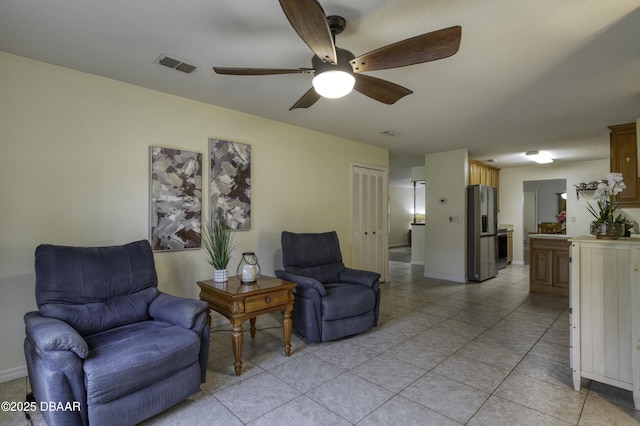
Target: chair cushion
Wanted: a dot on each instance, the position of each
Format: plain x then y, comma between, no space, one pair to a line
311,249
77,275
92,318
148,351
326,274
346,300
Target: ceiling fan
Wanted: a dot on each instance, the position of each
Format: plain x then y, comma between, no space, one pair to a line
332,65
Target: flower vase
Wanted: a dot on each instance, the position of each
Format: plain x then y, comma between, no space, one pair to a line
607,230
220,275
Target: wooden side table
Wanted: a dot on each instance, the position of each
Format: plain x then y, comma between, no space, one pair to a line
239,302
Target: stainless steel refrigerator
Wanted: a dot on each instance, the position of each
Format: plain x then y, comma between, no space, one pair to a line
482,229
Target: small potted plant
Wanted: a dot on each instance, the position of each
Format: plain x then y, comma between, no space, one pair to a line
218,243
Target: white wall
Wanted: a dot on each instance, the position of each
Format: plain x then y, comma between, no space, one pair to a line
445,240
75,170
400,216
511,195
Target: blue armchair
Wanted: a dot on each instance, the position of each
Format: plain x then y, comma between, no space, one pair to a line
105,339
331,300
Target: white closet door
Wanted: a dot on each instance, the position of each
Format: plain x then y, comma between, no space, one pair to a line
368,219
377,222
358,211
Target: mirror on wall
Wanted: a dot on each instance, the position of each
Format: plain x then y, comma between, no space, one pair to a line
544,209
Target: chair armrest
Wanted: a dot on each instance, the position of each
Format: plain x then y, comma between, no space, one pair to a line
50,334
302,281
358,276
176,310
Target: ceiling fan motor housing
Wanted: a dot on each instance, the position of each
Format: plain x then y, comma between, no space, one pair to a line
344,59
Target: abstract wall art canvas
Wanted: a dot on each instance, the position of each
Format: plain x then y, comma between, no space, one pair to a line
176,199
230,183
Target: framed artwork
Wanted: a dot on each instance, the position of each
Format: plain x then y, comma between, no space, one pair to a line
230,183
175,199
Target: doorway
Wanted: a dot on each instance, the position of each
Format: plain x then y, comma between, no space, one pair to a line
540,204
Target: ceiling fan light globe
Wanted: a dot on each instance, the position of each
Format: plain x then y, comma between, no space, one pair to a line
333,84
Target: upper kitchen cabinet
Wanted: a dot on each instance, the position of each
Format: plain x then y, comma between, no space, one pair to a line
624,159
482,174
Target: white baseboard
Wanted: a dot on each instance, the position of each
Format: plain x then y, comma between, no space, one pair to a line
455,279
13,373
392,245
518,262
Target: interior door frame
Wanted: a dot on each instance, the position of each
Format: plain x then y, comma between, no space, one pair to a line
534,216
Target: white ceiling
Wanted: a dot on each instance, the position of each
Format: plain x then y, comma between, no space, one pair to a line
547,75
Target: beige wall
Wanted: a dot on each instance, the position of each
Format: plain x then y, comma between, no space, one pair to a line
75,170
445,229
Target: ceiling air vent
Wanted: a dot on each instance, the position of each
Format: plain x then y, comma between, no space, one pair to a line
176,64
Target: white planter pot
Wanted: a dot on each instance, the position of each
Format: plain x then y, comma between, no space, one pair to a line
220,275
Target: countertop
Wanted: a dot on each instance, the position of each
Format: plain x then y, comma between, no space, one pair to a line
591,238
551,236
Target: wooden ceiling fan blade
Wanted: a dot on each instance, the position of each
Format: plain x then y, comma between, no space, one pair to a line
381,90
260,71
423,48
310,22
308,99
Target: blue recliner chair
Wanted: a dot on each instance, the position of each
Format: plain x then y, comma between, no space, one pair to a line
331,300
105,339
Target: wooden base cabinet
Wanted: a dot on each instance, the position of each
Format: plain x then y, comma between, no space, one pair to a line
605,312
549,265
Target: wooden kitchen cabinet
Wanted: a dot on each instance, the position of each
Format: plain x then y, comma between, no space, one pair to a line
624,159
482,174
549,265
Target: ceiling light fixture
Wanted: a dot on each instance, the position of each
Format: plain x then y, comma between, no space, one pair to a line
538,157
333,84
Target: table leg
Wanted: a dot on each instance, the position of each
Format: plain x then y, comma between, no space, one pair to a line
286,331
252,321
209,317
236,342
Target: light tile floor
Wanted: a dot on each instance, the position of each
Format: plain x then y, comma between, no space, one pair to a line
444,353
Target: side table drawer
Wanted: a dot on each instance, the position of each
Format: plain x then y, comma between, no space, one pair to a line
256,303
